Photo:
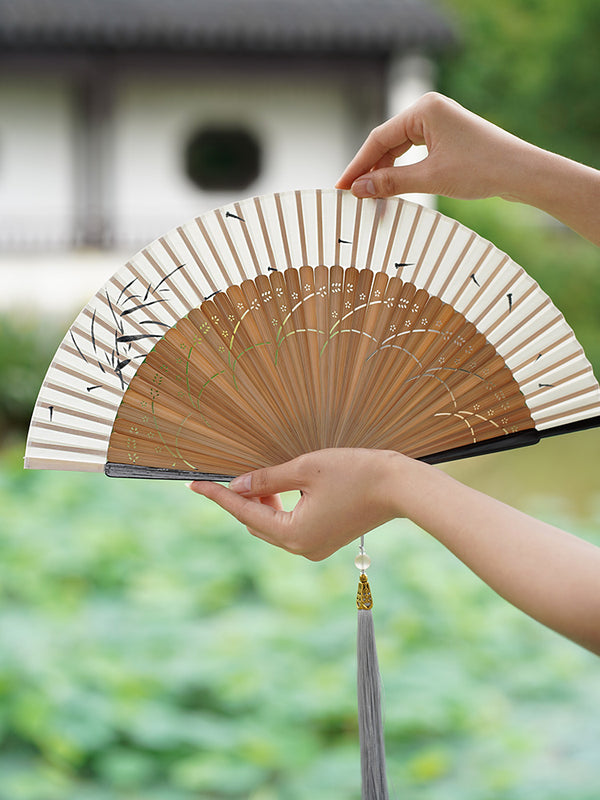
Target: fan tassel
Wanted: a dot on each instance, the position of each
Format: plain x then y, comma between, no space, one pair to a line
370,723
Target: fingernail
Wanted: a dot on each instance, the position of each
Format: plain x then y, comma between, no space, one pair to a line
363,188
241,484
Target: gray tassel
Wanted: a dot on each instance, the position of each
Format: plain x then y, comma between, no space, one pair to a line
370,723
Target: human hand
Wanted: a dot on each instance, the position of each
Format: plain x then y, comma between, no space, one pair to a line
468,157
344,493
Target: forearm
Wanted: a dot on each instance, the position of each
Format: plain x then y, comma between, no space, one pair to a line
565,189
547,573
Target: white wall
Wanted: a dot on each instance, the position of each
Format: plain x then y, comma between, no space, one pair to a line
37,146
302,125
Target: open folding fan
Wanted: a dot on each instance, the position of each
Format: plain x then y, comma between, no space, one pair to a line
289,323
293,322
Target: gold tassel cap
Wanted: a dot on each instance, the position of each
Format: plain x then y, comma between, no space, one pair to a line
364,601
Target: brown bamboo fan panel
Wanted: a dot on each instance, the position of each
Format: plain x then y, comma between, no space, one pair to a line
309,319
311,358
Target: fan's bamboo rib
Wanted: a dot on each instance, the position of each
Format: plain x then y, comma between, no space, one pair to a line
197,260
301,227
422,257
356,232
265,235
400,209
47,411
320,243
373,238
411,236
338,228
224,226
582,411
248,240
70,430
283,231
73,448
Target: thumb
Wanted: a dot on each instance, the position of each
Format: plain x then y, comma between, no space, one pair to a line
395,180
267,481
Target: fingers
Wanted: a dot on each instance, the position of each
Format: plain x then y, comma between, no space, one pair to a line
383,146
265,517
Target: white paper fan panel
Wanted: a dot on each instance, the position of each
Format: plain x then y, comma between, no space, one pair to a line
253,243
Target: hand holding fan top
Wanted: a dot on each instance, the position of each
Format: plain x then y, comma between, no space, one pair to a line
292,322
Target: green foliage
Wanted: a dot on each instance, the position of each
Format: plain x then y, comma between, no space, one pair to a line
26,349
151,650
530,66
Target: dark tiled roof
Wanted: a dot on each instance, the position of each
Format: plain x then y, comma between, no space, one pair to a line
378,26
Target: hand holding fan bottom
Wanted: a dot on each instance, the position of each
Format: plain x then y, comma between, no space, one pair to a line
293,322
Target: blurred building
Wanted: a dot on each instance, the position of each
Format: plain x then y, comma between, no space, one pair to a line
122,118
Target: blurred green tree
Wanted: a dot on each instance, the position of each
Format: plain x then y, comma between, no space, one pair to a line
531,66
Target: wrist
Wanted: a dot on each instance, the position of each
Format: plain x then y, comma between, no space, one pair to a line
408,486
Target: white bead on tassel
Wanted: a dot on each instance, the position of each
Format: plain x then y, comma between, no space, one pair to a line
370,724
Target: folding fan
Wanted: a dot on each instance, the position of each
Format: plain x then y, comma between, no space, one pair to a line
293,322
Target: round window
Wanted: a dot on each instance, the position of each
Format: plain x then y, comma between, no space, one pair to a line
222,158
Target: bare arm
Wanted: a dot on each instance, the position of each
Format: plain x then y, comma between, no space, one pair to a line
469,158
547,573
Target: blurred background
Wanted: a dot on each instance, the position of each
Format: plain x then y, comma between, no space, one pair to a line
149,648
